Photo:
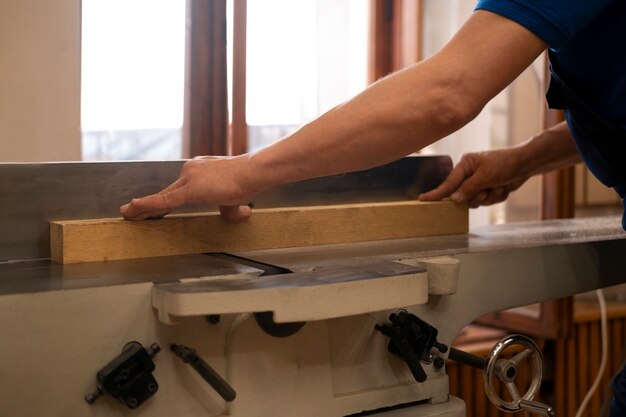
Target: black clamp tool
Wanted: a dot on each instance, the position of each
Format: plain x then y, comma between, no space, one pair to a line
128,377
413,339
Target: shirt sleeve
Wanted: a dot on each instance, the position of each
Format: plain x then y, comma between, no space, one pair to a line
554,21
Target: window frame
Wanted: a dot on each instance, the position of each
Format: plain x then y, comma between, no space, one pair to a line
205,126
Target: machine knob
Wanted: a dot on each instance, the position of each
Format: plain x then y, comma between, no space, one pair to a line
506,371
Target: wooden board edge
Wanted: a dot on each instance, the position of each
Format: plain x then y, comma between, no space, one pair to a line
56,242
61,231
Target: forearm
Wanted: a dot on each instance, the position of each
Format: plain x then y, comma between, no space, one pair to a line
404,112
385,122
551,149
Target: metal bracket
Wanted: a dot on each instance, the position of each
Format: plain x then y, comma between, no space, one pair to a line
128,377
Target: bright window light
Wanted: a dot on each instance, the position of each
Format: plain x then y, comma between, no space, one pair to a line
132,78
303,58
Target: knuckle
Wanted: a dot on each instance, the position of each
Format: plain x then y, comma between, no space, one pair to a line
190,164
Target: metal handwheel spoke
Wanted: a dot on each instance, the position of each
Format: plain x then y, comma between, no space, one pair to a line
517,359
512,388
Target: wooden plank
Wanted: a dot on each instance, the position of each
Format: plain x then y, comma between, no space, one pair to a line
467,385
573,367
481,403
583,364
110,239
586,311
610,364
452,369
594,366
560,373
616,345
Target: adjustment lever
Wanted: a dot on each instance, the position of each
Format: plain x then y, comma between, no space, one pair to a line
189,355
414,340
399,345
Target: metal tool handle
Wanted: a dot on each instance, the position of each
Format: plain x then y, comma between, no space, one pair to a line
506,371
535,407
400,345
219,384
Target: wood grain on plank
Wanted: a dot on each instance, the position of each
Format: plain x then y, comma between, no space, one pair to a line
78,241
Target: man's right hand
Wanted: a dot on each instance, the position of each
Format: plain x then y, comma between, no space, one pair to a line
486,178
482,179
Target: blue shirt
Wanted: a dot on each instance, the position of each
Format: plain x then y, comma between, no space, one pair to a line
587,39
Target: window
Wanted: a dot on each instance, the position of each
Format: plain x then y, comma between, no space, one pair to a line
302,58
132,79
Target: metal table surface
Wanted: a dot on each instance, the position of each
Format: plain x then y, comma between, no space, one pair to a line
485,239
43,275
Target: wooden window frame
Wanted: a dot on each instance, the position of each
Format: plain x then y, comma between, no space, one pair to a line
395,41
205,128
238,138
395,36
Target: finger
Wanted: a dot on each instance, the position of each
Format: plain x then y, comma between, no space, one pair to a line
195,158
155,214
478,199
130,212
448,186
235,214
130,209
496,196
471,188
160,203
176,184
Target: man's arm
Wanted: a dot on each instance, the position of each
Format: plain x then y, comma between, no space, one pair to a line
392,118
487,178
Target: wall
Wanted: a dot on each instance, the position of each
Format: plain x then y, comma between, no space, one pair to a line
40,80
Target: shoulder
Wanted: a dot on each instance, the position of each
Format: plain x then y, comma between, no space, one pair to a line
554,21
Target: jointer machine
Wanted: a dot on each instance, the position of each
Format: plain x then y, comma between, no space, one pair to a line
322,331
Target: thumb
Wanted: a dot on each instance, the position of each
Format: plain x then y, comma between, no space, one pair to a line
470,189
235,214
448,186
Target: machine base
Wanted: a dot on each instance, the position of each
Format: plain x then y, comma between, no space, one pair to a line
455,407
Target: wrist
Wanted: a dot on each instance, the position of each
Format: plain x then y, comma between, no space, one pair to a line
526,158
253,174
244,176
549,150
